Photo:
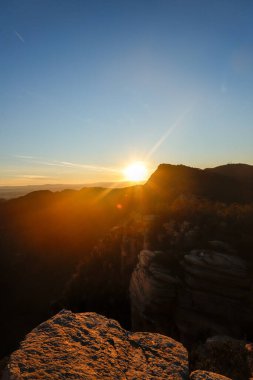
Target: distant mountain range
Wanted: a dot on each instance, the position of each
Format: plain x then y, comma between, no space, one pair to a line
8,192
231,182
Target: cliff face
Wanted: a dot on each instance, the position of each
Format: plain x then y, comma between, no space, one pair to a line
89,346
153,294
208,293
216,296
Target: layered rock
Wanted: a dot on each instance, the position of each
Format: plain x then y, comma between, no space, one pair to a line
209,294
89,346
153,291
216,297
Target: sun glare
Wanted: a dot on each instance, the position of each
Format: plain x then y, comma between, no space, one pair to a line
136,172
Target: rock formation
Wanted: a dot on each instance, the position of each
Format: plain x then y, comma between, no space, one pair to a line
215,296
209,294
153,291
89,346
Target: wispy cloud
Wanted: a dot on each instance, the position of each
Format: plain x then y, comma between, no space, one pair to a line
33,176
89,167
19,36
23,157
67,164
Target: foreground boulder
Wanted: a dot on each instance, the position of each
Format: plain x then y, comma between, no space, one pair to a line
90,346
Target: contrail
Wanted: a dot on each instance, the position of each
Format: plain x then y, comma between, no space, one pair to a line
19,36
168,132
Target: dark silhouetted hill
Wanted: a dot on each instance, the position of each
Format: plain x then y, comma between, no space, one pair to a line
170,181
241,172
9,192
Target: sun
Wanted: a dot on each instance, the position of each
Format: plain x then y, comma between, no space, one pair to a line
136,172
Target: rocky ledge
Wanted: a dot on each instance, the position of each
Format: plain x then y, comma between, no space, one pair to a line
90,346
209,293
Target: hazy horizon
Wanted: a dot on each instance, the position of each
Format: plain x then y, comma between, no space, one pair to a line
88,87
116,184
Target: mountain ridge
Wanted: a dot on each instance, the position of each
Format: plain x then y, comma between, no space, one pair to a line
234,171
170,180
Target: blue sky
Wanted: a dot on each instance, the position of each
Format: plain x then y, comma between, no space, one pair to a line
89,86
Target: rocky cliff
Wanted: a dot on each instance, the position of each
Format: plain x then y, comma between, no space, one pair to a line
209,293
215,297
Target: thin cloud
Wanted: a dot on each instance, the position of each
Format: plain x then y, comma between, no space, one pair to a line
19,36
23,157
67,164
89,167
32,176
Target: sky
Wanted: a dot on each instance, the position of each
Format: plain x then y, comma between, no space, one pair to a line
89,86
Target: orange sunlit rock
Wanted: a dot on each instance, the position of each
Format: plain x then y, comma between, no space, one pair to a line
90,346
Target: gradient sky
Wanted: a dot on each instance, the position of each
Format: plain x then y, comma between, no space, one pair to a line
88,86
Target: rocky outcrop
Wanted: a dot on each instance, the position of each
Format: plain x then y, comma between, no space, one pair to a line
90,346
153,291
205,375
208,293
215,295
